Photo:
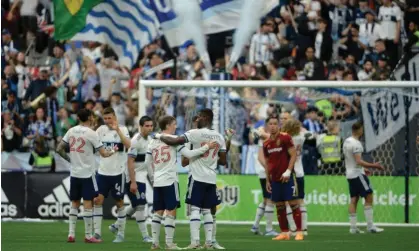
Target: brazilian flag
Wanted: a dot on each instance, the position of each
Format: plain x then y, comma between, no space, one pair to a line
70,16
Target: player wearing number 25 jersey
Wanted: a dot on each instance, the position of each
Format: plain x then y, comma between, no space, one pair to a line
161,160
82,143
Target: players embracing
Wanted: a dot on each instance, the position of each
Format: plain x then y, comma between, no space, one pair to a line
280,155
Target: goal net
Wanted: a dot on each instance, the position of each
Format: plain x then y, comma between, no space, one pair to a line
383,107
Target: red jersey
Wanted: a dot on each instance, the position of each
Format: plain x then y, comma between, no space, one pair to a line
276,154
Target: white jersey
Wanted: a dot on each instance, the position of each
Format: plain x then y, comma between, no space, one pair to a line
298,143
138,151
83,142
117,163
203,168
259,168
163,159
188,146
352,146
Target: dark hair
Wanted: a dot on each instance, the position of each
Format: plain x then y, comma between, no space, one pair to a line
357,125
165,121
84,114
108,110
207,113
144,119
272,116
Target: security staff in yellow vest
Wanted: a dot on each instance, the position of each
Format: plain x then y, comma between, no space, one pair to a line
329,146
41,159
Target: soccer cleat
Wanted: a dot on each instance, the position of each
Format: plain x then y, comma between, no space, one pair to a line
92,240
71,239
217,246
97,237
148,239
173,246
255,230
271,233
375,230
209,246
282,237
194,246
299,236
118,239
356,231
155,246
113,229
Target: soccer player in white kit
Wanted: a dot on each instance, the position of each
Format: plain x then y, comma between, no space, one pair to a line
202,190
111,173
266,207
293,128
359,184
137,177
161,160
82,142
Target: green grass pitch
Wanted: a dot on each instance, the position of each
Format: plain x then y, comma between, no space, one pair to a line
23,236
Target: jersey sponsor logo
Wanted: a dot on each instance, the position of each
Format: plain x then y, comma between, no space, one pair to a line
58,204
277,149
229,195
7,209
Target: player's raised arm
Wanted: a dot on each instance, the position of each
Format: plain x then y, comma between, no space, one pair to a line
123,134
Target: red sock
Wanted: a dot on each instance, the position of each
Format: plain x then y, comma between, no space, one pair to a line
296,213
282,218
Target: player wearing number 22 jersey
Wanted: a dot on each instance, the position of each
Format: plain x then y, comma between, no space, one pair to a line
111,174
280,155
82,142
202,190
161,160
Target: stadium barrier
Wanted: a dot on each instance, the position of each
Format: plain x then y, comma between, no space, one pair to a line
46,196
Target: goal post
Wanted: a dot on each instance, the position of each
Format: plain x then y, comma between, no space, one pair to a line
382,105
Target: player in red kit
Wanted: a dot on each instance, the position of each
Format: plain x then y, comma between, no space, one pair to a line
280,155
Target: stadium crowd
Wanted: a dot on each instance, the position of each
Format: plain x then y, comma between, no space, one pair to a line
45,82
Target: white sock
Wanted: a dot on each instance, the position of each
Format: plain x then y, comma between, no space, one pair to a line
368,216
290,219
208,225
214,227
140,218
269,215
122,220
259,214
129,211
169,228
97,219
352,220
303,217
195,224
72,220
155,228
88,220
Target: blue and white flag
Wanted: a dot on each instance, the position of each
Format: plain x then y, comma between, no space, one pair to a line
217,16
125,25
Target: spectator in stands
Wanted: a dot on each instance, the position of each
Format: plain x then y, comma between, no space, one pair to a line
11,132
311,122
41,159
382,70
361,11
390,16
37,86
11,104
311,68
262,46
341,107
40,126
64,123
12,79
7,41
367,72
370,31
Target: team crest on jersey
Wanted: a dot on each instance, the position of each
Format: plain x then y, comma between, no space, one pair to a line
228,195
